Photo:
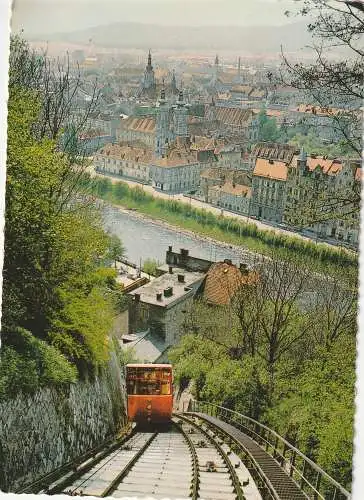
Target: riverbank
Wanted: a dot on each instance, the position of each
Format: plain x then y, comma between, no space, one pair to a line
247,238
197,236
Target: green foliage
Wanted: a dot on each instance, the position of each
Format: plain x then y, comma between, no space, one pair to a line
28,363
81,329
150,266
312,143
116,250
127,356
55,286
267,127
293,380
317,407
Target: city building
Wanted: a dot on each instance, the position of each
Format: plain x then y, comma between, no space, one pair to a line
228,120
224,187
268,189
131,161
271,151
89,142
231,196
150,88
310,176
320,119
160,305
178,171
137,129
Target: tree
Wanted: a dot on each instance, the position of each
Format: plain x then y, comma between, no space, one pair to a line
150,266
334,81
267,127
116,249
54,286
55,85
335,308
335,25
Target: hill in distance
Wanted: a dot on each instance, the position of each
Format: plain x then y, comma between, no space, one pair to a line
252,39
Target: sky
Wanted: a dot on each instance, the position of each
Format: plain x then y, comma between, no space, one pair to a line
47,16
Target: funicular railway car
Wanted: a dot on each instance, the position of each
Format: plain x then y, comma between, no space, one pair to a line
149,392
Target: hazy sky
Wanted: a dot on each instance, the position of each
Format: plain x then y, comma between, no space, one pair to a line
46,16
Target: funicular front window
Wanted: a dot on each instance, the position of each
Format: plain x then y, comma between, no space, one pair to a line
148,381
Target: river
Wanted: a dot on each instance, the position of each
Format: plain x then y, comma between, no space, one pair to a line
145,239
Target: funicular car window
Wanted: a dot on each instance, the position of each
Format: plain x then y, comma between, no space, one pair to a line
148,381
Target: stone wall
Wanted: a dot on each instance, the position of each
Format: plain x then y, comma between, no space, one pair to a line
41,432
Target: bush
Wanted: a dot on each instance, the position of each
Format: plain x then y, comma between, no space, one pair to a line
28,363
150,266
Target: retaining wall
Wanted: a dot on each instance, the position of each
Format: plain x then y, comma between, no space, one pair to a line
41,432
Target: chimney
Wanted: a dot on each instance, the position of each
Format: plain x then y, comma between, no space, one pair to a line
159,296
271,161
184,252
170,248
170,270
243,268
137,297
181,278
168,292
228,261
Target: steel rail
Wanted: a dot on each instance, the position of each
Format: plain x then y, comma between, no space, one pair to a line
232,472
114,484
196,475
256,466
77,466
319,473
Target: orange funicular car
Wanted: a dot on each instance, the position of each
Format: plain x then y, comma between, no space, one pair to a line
150,392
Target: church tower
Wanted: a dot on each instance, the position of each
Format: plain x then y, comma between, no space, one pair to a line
149,79
180,116
216,72
162,125
174,84
216,67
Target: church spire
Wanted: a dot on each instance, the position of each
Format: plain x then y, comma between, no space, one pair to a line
149,65
173,81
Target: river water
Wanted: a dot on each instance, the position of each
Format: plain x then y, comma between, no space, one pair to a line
145,239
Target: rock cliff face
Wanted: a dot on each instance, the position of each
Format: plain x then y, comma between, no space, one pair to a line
41,432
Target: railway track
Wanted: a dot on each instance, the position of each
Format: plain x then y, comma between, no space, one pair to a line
183,461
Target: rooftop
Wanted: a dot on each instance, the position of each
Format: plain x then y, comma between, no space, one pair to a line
142,124
223,280
148,293
233,189
275,151
271,169
148,348
227,174
234,116
318,110
329,167
126,151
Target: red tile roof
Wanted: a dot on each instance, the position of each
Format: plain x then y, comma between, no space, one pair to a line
234,116
329,167
222,282
276,170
